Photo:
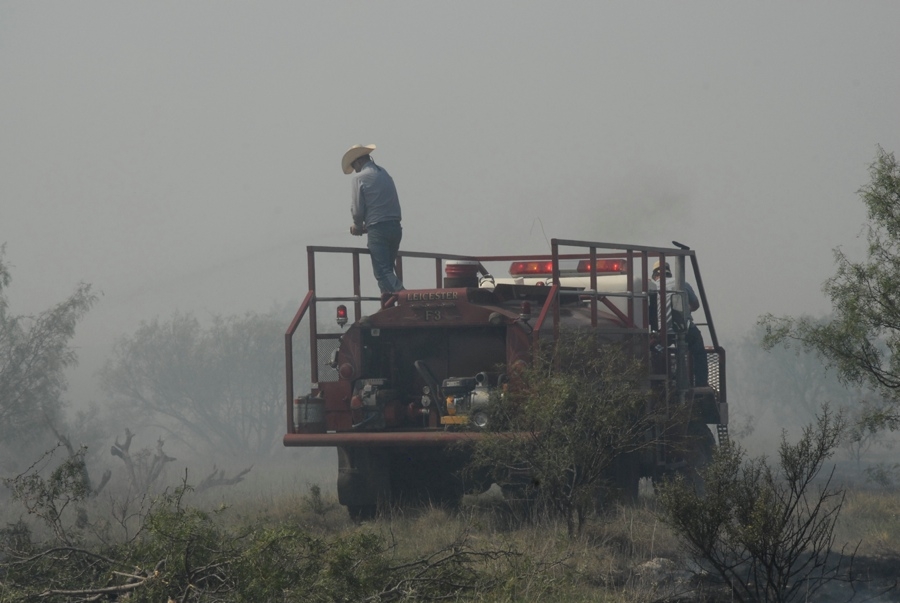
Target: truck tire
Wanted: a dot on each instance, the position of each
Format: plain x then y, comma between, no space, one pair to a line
362,512
626,477
428,476
363,480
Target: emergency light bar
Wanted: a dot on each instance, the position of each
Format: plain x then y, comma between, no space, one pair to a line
602,266
531,268
545,267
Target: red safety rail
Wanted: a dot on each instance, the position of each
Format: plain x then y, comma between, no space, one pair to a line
637,260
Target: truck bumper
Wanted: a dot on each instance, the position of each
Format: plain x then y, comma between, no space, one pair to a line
379,439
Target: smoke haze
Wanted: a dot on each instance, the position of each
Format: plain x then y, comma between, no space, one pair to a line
181,156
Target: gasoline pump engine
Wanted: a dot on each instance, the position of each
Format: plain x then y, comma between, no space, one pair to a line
467,399
460,401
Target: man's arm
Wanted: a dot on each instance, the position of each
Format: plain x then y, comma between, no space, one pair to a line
357,208
693,300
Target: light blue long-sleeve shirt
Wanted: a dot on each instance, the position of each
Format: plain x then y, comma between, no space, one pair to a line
374,197
671,287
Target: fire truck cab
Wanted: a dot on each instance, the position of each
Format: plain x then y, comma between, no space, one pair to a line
401,380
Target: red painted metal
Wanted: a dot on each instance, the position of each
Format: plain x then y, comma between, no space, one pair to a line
414,308
593,286
289,354
615,310
313,342
551,302
398,267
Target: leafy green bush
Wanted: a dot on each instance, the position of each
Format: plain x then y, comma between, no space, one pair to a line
188,554
578,409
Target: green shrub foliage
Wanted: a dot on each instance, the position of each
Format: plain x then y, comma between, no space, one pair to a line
768,531
35,352
861,340
184,553
565,420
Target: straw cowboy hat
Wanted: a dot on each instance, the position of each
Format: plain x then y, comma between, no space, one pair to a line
354,153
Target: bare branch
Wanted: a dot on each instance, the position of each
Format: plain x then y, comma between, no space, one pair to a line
217,478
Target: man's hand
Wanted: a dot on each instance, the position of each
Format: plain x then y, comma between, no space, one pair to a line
357,232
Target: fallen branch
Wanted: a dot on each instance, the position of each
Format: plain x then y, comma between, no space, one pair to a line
121,588
217,478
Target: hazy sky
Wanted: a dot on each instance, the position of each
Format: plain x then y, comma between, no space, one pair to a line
182,155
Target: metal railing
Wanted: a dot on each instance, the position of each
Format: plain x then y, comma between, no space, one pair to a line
637,258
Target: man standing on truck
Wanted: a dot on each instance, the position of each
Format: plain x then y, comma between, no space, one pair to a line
375,209
693,337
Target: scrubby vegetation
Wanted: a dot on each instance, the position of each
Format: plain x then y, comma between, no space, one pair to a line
63,544
758,529
769,531
578,409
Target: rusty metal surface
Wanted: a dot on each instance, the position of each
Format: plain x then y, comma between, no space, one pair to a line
448,309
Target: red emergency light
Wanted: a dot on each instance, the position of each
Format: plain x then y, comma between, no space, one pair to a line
602,266
525,311
531,268
342,315
461,269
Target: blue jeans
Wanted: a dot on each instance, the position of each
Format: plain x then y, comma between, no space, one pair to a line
694,340
383,242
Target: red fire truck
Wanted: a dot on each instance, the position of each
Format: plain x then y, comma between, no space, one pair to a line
401,382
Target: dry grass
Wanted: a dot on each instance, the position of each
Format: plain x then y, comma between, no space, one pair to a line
872,519
603,564
623,554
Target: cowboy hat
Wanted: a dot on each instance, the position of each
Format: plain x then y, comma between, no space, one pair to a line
354,153
668,270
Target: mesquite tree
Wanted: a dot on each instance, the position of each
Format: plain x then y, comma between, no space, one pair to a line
767,531
861,339
35,351
217,388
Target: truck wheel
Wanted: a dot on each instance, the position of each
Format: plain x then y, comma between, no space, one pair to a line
363,480
361,512
627,477
426,476
621,482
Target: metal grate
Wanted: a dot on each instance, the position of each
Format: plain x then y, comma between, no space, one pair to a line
325,348
723,435
712,360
